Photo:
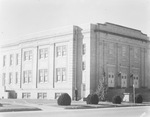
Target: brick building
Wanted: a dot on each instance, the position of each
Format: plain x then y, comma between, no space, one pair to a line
49,63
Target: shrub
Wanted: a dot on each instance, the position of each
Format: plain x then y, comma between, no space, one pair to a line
138,98
1,105
64,99
92,99
102,90
116,100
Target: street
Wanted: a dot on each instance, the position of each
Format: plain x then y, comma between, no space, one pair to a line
142,111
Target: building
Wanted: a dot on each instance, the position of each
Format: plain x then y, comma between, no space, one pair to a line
46,64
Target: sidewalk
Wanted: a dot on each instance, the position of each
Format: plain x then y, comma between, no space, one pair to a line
51,105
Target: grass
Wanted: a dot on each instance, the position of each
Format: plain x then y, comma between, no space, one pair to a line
13,107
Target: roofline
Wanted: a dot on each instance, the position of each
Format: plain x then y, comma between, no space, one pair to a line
34,39
123,27
113,33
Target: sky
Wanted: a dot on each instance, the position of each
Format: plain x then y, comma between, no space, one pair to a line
21,17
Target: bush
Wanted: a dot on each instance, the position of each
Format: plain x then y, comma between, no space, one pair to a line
64,99
116,100
1,105
92,99
138,98
102,90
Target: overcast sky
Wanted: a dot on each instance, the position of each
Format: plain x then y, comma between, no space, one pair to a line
21,17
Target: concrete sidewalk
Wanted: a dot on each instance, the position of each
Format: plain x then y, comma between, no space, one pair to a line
51,105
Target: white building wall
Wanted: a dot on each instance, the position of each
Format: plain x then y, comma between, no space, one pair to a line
51,63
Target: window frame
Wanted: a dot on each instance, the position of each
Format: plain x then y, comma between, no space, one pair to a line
27,76
17,77
3,79
61,74
11,60
84,49
10,77
4,60
17,59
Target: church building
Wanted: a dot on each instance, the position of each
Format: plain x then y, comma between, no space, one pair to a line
73,59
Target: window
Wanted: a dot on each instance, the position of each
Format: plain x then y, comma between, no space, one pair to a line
43,53
11,59
3,79
42,95
58,49
27,55
83,49
26,95
61,50
16,81
17,59
27,76
40,75
4,60
43,75
61,74
58,74
46,53
10,78
30,55
83,65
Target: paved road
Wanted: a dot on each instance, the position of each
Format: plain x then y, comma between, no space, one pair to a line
143,111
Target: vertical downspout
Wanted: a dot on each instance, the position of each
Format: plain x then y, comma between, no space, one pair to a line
76,53
54,66
21,55
37,66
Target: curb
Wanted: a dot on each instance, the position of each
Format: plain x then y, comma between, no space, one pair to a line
20,109
100,106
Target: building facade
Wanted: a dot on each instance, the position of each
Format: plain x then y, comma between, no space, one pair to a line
47,64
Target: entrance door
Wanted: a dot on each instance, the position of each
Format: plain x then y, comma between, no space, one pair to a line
123,80
111,80
136,81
